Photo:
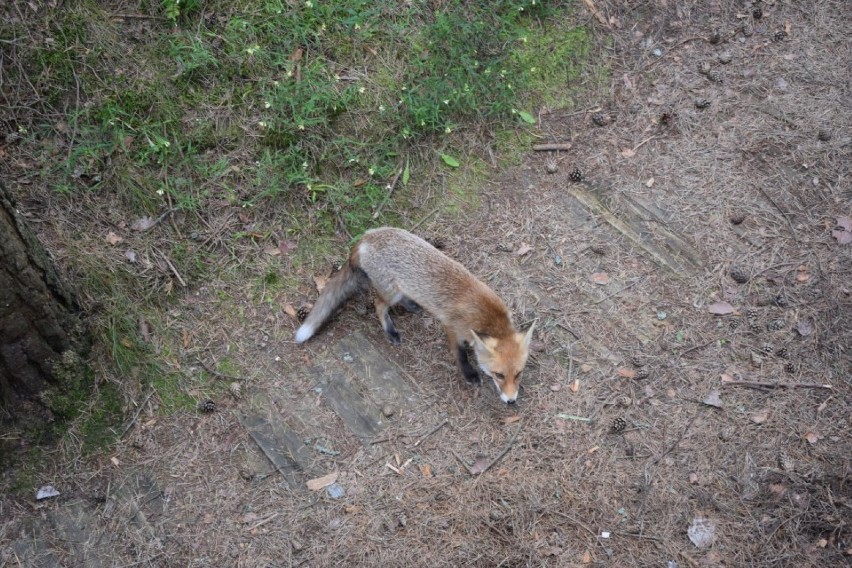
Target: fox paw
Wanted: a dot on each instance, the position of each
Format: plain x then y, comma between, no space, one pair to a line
393,336
471,375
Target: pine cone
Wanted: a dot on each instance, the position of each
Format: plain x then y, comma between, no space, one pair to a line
737,217
618,425
576,175
738,274
208,406
302,313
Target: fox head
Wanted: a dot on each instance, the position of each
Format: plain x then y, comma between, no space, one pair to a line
503,359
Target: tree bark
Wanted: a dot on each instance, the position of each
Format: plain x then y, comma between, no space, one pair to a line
41,336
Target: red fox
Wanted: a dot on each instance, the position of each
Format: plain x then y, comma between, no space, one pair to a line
405,269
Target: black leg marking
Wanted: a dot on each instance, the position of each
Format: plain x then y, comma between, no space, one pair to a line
470,374
391,332
410,305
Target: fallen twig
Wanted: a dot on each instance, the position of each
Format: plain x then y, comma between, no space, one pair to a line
424,219
175,271
503,453
461,461
627,287
564,416
391,187
430,432
217,374
551,147
776,385
136,415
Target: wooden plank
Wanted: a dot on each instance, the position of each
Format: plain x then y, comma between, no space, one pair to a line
632,220
281,445
382,381
342,394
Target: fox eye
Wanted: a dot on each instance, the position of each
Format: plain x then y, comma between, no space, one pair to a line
499,376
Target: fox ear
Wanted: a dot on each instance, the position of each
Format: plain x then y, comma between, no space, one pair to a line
528,335
478,341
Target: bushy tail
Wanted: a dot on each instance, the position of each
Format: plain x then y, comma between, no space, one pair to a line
339,288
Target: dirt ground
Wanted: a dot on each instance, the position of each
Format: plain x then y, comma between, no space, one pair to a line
641,411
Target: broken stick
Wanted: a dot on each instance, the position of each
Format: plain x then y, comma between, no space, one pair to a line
771,385
551,147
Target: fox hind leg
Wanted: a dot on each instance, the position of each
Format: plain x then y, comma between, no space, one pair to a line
382,307
410,305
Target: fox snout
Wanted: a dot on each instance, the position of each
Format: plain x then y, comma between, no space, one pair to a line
509,396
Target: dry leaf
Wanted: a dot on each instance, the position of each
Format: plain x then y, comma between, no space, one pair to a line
702,532
628,153
714,399
760,417
114,461
290,311
320,282
426,470
626,373
250,517
296,56
556,387
649,183
113,239
320,482
586,558
479,465
813,437
600,278
726,378
586,367
575,386
524,249
693,478
804,328
595,12
143,224
720,309
286,246
843,231
511,419
272,251
802,275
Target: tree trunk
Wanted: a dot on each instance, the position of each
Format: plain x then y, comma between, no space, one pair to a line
41,338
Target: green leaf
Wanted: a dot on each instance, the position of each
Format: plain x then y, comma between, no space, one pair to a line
405,174
526,117
450,161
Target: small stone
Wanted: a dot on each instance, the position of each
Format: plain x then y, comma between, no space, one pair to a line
551,167
388,410
725,57
495,515
823,135
297,545
756,360
701,103
748,30
757,13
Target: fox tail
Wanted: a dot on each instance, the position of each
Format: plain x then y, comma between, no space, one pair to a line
339,288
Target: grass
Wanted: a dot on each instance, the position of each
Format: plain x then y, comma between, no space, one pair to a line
302,111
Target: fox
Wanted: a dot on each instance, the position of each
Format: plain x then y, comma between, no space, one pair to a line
404,269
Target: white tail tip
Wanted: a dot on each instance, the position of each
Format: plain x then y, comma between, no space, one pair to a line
304,333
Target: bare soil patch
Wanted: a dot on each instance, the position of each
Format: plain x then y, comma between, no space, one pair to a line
679,207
